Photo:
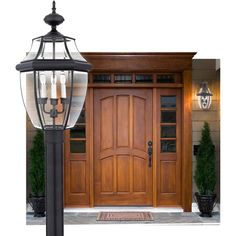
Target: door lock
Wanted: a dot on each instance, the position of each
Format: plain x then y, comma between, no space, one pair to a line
149,151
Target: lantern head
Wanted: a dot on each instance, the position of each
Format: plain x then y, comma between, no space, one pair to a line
54,78
204,97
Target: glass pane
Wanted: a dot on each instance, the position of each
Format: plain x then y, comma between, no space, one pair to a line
77,146
78,132
27,90
165,78
53,90
34,49
82,118
168,116
79,93
168,131
73,50
143,79
123,79
168,145
102,78
168,101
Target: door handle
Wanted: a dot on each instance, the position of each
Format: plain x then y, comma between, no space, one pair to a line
149,151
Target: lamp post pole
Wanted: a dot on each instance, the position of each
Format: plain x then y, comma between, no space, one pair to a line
54,183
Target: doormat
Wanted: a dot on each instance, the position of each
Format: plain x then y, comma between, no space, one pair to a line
125,216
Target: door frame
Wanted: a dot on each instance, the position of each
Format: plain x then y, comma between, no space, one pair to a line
147,62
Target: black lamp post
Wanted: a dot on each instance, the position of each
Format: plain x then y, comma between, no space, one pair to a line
54,79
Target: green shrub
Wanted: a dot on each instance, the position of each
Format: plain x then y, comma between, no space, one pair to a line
37,169
205,173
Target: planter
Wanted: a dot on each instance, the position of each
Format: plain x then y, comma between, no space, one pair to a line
38,205
206,203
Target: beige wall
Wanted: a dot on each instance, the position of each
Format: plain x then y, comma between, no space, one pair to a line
207,70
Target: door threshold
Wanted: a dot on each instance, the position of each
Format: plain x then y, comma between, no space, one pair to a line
124,209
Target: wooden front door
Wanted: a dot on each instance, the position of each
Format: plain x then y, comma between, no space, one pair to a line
133,98
122,129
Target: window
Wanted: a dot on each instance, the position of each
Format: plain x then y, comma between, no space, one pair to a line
101,78
168,101
165,78
77,146
168,145
168,124
143,78
78,135
168,131
136,78
123,78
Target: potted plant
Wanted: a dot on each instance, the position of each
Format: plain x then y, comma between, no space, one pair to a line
36,175
205,174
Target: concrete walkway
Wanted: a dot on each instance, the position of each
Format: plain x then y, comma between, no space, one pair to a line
90,217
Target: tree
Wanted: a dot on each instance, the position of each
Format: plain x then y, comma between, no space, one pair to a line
37,169
205,173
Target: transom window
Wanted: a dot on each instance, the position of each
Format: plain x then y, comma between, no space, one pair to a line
136,78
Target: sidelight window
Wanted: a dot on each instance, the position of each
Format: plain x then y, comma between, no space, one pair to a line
168,124
78,135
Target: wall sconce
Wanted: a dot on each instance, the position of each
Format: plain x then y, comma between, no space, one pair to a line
204,97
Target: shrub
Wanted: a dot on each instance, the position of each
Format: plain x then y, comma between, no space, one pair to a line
37,169
205,173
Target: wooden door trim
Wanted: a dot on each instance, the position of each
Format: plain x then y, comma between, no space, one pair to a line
90,140
153,85
154,159
139,62
66,177
187,141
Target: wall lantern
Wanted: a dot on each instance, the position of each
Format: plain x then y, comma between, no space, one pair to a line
54,79
204,97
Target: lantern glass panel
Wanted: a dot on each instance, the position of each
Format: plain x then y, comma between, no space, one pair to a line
53,94
28,95
53,50
35,46
47,97
59,48
80,81
73,50
204,97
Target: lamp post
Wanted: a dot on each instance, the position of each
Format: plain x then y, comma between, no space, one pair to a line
54,79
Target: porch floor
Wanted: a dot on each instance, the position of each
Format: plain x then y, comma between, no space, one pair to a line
160,215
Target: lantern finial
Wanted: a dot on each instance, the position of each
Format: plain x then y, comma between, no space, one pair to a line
53,7
54,18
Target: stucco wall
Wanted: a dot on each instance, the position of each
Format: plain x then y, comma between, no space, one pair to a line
207,70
